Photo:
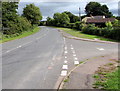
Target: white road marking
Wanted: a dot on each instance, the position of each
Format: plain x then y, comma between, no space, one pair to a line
71,45
76,58
65,61
20,46
72,48
66,52
76,62
101,49
65,67
7,51
24,44
74,55
65,56
65,48
63,73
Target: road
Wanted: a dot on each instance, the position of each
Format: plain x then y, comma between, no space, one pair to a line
37,61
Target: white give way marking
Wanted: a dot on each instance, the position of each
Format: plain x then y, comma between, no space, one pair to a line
101,49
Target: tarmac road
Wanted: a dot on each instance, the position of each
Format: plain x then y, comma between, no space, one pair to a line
36,61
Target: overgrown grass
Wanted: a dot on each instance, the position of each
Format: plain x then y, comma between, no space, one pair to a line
111,81
107,80
24,34
79,34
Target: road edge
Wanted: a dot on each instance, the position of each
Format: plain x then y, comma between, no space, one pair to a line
83,39
62,82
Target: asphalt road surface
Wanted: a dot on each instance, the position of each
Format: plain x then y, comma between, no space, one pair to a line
37,61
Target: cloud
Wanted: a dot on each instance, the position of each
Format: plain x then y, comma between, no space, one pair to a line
49,8
69,0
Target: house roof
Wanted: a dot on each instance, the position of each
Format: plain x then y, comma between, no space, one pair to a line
100,20
97,19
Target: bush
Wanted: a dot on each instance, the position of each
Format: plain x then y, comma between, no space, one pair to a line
108,32
70,25
89,29
20,25
79,25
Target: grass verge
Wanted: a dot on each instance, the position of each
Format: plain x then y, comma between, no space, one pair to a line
107,78
24,34
79,34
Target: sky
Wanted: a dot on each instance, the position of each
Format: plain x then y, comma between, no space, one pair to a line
49,7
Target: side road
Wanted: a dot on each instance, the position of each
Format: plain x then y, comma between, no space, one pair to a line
82,76
83,39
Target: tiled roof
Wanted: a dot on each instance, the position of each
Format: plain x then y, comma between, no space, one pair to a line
102,20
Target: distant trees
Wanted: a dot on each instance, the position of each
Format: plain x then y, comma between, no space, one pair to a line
60,19
72,17
32,13
95,8
50,21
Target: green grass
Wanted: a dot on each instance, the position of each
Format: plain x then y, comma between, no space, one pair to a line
24,34
66,80
79,34
108,81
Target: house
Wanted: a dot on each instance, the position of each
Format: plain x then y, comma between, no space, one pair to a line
97,20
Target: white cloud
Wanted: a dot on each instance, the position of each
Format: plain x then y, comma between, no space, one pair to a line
68,0
49,8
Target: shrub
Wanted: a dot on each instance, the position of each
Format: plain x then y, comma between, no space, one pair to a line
108,32
71,25
20,25
79,25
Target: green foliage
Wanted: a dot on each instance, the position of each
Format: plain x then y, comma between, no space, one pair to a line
14,23
79,25
50,21
109,81
18,26
61,19
95,8
109,25
108,32
72,17
71,25
32,13
8,12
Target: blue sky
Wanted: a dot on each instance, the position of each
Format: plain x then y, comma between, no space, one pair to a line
49,7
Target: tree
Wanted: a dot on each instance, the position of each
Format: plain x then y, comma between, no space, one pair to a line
95,8
14,23
32,13
9,12
72,17
60,19
50,21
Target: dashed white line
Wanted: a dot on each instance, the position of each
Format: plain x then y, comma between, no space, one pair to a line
65,56
72,48
63,73
76,62
101,49
65,67
66,52
74,55
7,51
76,58
65,61
65,48
20,46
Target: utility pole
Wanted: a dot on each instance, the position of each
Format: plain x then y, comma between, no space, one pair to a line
79,13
